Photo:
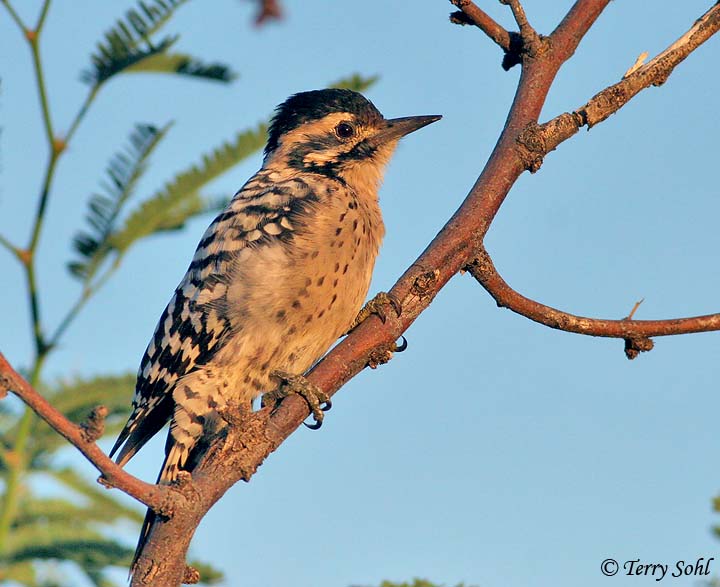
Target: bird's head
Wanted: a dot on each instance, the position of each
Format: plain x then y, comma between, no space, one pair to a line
338,133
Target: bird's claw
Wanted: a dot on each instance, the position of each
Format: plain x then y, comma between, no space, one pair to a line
399,348
377,306
317,400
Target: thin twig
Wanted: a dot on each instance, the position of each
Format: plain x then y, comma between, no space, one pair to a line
655,72
634,309
484,22
92,94
9,246
526,30
538,140
43,15
484,271
88,292
14,15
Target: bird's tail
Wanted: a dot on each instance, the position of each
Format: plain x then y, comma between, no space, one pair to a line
175,457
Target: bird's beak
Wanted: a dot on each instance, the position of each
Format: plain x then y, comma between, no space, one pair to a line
395,128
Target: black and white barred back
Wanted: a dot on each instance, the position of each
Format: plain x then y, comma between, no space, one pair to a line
195,324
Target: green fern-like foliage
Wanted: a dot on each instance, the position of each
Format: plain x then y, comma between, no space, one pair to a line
123,173
128,47
356,82
182,64
181,199
78,526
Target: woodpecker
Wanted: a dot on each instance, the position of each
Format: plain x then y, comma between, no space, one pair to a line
276,279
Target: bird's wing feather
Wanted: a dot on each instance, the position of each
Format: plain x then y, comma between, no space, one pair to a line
192,328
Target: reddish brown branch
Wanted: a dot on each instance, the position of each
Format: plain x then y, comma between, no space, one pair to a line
482,269
536,141
527,32
470,13
161,499
655,72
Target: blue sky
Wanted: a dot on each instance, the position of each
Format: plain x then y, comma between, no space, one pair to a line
494,451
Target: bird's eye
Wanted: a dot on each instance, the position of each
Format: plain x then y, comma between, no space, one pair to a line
344,130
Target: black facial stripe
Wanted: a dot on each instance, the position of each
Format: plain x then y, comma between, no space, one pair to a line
363,150
315,144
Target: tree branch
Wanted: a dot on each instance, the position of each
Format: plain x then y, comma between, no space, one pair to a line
160,498
538,140
527,32
483,269
470,13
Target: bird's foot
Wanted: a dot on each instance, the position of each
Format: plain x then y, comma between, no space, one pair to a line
378,306
318,401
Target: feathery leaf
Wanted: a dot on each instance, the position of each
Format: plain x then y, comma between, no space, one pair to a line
180,199
123,171
98,496
57,511
356,82
121,47
128,47
22,573
75,399
184,65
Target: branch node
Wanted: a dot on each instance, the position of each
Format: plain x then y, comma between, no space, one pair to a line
174,496
424,284
380,356
235,413
634,309
637,345
531,147
514,53
533,44
637,65
102,480
191,575
94,426
511,43
661,77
